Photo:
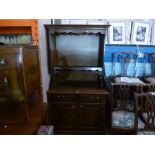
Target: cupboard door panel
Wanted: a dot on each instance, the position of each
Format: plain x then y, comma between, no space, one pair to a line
65,116
92,116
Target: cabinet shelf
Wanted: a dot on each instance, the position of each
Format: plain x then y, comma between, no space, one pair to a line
16,27
78,69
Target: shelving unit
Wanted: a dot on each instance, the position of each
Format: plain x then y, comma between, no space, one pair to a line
25,26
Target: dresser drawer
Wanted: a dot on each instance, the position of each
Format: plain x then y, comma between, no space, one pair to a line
9,61
62,97
9,81
92,98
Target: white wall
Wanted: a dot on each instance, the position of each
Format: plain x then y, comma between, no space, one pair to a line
45,77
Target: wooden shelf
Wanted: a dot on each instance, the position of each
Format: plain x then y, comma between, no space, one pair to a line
25,26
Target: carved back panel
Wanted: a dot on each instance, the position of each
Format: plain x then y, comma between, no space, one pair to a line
125,59
151,58
146,104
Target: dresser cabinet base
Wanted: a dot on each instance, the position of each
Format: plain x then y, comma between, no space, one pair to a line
78,110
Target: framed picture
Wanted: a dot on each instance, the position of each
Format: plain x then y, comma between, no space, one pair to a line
117,33
141,32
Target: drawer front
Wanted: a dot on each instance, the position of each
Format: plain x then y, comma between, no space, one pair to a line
9,61
9,81
62,97
92,98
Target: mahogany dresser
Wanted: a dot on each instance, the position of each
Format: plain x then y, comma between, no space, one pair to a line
19,82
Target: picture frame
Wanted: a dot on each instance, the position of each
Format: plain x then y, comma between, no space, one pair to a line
141,32
117,32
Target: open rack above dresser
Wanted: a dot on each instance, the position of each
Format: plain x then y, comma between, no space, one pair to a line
75,53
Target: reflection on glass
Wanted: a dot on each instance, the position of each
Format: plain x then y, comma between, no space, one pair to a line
16,39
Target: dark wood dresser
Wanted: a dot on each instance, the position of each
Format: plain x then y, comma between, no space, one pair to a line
19,82
78,110
76,94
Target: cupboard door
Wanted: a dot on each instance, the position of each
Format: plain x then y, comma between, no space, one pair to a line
65,116
92,116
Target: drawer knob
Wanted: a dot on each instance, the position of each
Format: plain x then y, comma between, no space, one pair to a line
5,81
73,106
58,96
97,97
77,91
2,62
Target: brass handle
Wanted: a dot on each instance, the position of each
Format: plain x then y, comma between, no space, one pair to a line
97,97
5,81
58,96
73,106
3,62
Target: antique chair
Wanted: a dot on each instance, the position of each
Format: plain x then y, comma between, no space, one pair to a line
123,108
146,107
150,57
